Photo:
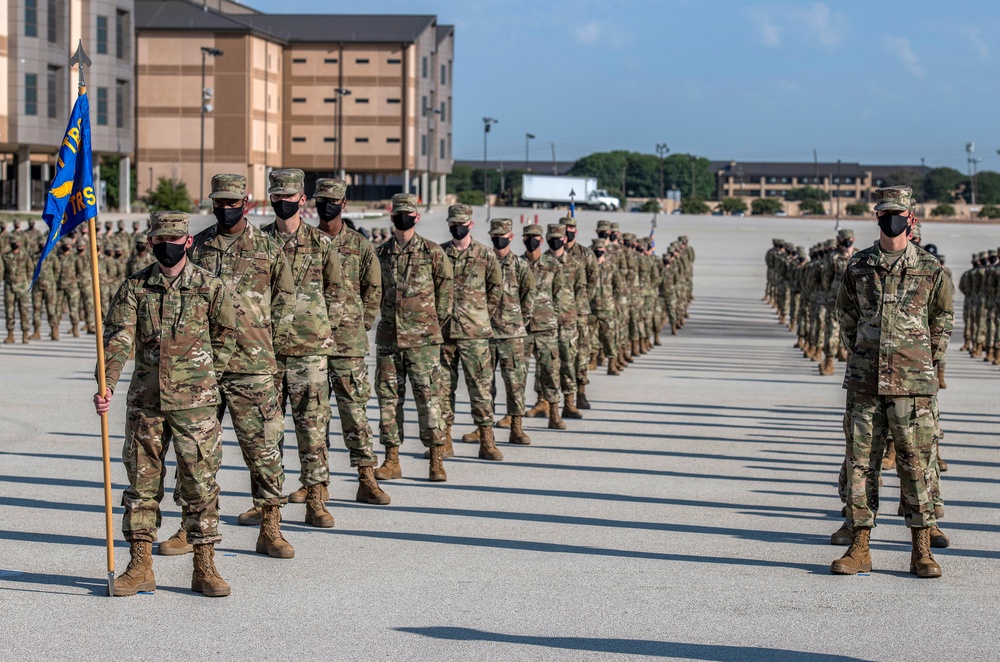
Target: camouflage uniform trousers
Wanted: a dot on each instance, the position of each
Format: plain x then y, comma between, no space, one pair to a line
68,299
86,303
352,388
583,350
15,300
544,346
422,365
634,322
477,364
252,401
831,344
304,383
869,422
44,295
509,356
197,439
567,359
819,325
981,322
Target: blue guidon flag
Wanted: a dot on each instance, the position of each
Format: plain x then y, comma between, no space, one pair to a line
71,200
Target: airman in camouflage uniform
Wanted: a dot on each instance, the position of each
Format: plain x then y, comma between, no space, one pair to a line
553,297
584,324
355,305
180,322
576,290
305,337
17,271
607,292
254,269
84,285
141,258
833,275
478,286
893,295
45,293
68,293
416,306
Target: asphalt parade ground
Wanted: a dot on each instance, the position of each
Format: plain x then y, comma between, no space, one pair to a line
686,517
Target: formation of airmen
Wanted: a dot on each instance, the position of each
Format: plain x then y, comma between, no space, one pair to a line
981,287
64,284
260,321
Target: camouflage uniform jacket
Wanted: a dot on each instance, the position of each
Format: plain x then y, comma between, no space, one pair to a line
183,335
81,264
574,295
517,298
607,290
837,267
586,257
356,303
66,279
478,286
259,280
896,320
17,271
552,293
417,293
139,261
306,328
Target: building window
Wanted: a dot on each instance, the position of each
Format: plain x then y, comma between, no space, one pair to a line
328,139
772,180
30,94
120,94
102,35
443,116
30,18
102,106
330,60
784,180
423,106
52,92
360,140
298,60
848,180
360,100
392,140
423,145
444,74
52,21
330,100
298,139
392,101
121,33
423,66
394,60
361,60
298,100
442,148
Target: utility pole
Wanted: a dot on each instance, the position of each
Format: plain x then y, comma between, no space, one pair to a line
970,149
341,93
692,176
206,96
625,193
430,113
837,226
527,137
555,171
487,123
661,150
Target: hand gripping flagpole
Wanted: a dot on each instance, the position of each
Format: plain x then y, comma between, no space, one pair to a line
80,58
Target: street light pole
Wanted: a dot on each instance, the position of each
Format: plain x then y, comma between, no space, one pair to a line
487,123
837,226
341,93
661,150
214,52
430,113
531,136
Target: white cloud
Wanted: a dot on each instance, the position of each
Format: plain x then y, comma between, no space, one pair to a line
768,33
979,44
815,24
589,33
900,48
825,26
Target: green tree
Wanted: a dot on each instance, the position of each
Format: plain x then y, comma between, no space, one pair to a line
942,183
652,205
944,209
907,177
460,179
694,205
641,172
110,168
987,188
857,208
811,206
807,193
472,197
989,211
732,206
766,206
677,174
170,195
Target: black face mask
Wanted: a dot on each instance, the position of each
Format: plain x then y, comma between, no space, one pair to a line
228,217
500,243
329,210
892,225
404,222
141,248
14,245
168,254
848,243
532,243
285,209
65,249
554,244
599,253
459,231
993,260
602,235
570,236
615,236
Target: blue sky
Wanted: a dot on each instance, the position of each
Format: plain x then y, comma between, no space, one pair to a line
876,82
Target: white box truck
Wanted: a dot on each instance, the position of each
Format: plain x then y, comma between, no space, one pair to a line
547,191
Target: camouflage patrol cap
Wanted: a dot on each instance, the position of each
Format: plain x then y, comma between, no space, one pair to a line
108,225
533,230
168,224
459,213
845,234
830,243
893,198
555,230
121,224
629,236
801,250
615,227
334,189
683,238
227,186
982,255
285,181
501,226
604,226
598,242
404,202
915,232
568,221
991,252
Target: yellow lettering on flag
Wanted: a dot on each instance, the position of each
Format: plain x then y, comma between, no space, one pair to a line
88,194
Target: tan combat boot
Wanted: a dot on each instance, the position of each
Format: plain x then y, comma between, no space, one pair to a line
826,367
55,333
636,351
540,410
593,363
942,465
977,351
569,407
10,338
613,368
175,545
316,513
470,437
90,329
517,435
965,346
581,397
437,473
368,489
25,337
37,334
627,357
857,558
555,422
205,578
600,359
299,495
269,540
449,447
251,517
922,563
503,423
940,375
138,576
889,459
989,355
390,468
843,536
938,538
656,340
842,355
487,446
